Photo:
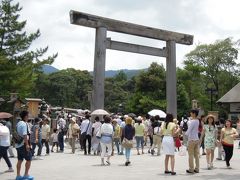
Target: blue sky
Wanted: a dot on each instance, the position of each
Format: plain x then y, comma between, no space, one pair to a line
207,20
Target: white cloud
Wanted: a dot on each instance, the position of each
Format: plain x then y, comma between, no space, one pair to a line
207,20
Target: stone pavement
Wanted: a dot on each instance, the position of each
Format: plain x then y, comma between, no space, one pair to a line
64,166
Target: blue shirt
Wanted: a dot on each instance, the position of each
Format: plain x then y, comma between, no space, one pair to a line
22,131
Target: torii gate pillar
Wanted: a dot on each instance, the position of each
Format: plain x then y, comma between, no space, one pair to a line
99,68
171,80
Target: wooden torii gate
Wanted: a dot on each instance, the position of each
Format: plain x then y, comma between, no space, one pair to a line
102,25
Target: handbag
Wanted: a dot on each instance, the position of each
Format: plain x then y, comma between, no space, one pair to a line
84,134
127,143
182,151
99,135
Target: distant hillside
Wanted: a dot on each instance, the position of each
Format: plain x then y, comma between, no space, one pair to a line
47,69
130,73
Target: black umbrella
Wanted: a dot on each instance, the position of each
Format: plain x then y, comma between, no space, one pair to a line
132,115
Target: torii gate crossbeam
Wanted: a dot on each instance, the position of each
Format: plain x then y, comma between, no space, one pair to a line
102,25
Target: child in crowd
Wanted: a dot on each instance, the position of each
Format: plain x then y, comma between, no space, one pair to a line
54,138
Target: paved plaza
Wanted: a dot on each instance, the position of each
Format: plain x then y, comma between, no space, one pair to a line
67,166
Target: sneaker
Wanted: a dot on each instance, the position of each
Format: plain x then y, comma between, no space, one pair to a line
47,154
52,151
9,170
167,172
208,166
108,163
229,167
173,173
27,178
19,178
189,172
196,171
203,153
127,163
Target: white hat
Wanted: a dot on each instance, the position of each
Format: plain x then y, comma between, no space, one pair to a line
73,119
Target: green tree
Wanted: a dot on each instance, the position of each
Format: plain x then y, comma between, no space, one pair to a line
211,66
14,45
115,92
150,90
67,88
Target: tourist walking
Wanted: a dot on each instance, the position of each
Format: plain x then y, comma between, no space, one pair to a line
61,132
168,130
122,126
156,137
127,134
46,135
86,132
96,141
23,147
200,129
184,127
54,138
238,131
116,135
176,137
5,144
106,137
210,139
139,134
36,137
73,132
10,149
193,142
228,134
221,154
150,132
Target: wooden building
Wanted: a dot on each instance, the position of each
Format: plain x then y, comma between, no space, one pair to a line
33,106
232,100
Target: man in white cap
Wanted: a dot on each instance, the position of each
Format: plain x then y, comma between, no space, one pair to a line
73,132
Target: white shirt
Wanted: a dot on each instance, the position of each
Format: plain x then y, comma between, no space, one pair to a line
96,127
54,137
61,123
4,136
45,131
86,126
107,128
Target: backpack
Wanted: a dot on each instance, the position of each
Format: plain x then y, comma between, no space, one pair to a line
16,137
185,125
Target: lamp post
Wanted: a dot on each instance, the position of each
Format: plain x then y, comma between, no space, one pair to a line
211,91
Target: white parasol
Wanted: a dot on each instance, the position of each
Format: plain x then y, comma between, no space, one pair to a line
158,112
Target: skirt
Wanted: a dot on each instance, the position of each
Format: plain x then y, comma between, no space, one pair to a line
168,145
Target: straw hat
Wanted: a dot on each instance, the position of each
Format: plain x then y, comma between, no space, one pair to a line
73,119
210,116
175,120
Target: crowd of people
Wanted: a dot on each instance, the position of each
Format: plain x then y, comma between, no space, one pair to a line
102,136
